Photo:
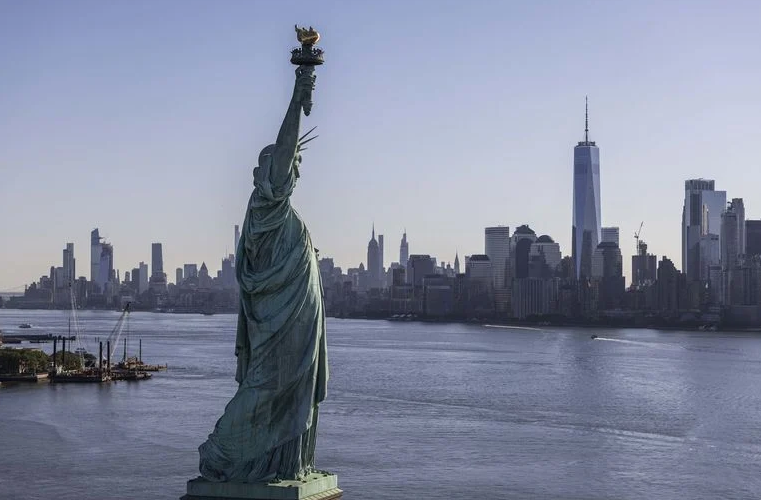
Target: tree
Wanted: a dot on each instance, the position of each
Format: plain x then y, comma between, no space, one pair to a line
23,361
73,361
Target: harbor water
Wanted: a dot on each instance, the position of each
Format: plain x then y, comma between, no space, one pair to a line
414,410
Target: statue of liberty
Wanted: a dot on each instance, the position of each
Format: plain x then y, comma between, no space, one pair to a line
267,431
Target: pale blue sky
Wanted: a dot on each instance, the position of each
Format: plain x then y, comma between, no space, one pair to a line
145,118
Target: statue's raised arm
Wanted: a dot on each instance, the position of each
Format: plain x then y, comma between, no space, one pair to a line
285,154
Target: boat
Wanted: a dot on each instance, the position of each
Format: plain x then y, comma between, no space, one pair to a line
23,377
25,325
594,336
130,367
83,375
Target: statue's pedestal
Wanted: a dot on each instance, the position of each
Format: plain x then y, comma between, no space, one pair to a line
316,486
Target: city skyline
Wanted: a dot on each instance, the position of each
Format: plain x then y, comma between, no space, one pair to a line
672,97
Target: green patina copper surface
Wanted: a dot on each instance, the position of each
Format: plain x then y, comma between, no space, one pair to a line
268,428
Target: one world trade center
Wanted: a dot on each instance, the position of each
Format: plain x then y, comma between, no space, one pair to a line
586,203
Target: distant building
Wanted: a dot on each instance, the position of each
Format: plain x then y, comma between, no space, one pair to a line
479,291
497,248
709,249
373,262
237,238
644,271
143,281
456,263
520,248
610,235
105,266
94,255
586,203
204,280
178,276
544,258
227,275
478,267
669,287
190,271
419,266
157,259
535,297
701,217
607,272
157,282
439,296
69,265
732,252
752,237
404,250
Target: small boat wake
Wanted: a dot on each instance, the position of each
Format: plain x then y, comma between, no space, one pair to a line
656,345
514,327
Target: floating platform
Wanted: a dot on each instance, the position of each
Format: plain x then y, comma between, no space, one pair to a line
23,377
129,375
80,377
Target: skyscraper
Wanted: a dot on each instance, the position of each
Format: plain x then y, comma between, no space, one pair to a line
497,248
523,239
105,266
404,251
381,274
373,261
158,277
456,263
731,235
586,202
701,227
178,276
237,238
157,259
142,284
69,265
739,208
732,250
94,255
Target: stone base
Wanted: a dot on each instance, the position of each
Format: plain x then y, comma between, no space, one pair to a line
316,486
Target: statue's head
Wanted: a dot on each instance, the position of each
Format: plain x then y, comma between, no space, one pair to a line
262,172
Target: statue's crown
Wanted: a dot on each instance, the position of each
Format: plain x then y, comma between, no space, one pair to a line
307,36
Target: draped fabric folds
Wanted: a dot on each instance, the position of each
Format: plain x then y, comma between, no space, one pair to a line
268,428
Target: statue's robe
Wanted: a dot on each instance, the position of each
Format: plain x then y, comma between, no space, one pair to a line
268,428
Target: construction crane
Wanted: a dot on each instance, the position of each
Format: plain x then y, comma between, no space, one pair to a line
636,237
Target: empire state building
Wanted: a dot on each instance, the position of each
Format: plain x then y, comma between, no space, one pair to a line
586,203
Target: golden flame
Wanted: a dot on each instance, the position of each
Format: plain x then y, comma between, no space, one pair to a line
307,36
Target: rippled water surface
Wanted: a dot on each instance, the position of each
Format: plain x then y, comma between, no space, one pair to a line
414,411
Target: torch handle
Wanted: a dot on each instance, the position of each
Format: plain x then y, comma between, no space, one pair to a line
306,101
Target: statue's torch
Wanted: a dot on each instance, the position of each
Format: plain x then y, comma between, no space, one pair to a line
308,56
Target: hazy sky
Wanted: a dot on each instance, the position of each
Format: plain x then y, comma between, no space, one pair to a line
145,119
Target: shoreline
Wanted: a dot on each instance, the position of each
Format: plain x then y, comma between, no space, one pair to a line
483,321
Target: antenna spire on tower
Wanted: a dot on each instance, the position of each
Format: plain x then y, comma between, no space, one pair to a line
586,119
